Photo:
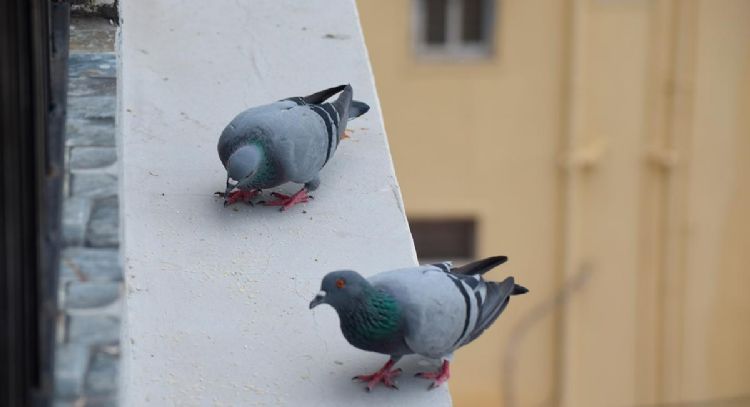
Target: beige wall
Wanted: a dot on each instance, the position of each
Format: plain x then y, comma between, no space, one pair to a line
604,135
717,260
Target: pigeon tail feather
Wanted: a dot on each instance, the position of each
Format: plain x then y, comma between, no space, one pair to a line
357,109
480,266
519,289
344,101
320,97
498,296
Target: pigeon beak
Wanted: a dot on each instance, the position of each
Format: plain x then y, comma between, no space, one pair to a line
319,299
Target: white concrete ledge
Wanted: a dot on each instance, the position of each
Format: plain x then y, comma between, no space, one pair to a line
217,304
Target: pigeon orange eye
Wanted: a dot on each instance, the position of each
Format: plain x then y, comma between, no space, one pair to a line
340,283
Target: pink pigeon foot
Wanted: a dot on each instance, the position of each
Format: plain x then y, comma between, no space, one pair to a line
385,375
439,377
286,201
239,196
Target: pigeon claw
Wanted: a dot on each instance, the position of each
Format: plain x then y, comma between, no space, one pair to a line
239,196
384,375
439,377
286,201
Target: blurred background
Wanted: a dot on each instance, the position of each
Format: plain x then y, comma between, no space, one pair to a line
604,146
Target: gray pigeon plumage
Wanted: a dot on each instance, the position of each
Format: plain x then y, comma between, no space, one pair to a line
287,141
429,310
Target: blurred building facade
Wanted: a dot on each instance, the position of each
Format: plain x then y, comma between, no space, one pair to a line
604,146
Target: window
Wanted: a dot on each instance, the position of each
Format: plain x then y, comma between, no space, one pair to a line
461,28
443,239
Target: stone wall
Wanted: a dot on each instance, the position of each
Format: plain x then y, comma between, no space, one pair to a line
90,272
100,8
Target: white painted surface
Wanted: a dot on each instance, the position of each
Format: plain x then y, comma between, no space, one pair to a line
217,305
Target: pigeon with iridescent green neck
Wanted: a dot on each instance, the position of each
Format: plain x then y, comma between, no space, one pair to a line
429,310
287,141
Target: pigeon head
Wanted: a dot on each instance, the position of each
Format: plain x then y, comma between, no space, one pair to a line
340,289
242,166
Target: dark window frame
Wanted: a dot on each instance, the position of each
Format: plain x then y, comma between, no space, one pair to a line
454,47
439,238
34,52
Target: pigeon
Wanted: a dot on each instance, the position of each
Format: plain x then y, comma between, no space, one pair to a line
286,141
430,310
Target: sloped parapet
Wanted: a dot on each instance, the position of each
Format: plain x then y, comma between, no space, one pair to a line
217,298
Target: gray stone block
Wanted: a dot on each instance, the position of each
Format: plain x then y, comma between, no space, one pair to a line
75,219
92,157
84,86
92,65
102,376
66,272
71,361
104,223
90,133
89,33
91,294
92,107
94,9
93,185
91,264
93,329
101,401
